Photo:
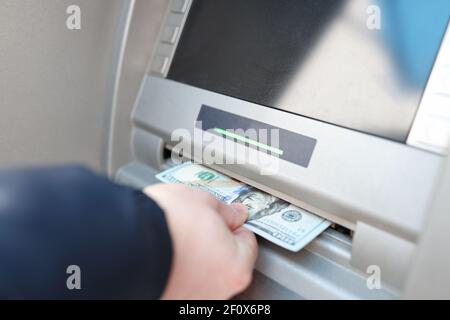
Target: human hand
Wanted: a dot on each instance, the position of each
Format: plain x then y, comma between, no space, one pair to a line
214,255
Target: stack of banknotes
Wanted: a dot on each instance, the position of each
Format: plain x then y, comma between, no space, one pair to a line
272,218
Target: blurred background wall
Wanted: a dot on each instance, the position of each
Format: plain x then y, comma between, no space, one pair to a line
56,84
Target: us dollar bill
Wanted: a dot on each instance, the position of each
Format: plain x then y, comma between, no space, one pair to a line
270,217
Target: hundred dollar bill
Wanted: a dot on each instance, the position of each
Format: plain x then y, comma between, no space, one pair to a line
272,218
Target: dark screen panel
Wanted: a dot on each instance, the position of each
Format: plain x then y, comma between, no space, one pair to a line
316,58
293,147
248,49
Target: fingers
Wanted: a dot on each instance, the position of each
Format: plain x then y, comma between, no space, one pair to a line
234,215
240,207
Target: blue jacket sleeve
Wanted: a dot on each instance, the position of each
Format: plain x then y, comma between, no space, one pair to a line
116,237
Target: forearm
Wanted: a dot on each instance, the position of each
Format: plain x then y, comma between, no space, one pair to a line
51,218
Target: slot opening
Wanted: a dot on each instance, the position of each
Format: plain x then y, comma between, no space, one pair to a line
342,230
338,231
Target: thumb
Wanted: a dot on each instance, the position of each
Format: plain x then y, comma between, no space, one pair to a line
247,248
234,215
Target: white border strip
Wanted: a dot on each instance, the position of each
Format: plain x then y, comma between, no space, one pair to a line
431,127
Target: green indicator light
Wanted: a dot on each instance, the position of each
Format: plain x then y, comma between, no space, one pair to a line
249,141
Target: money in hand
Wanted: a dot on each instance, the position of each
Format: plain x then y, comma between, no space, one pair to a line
270,217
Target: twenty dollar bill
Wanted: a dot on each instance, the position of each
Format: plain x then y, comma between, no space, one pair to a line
272,218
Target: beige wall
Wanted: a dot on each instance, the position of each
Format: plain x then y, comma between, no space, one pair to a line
56,85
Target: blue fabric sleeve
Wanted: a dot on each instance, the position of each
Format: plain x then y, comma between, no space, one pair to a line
53,218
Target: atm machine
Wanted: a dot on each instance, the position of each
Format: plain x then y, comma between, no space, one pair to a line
366,104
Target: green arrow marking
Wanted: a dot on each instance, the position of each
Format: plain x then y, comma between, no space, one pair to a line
249,141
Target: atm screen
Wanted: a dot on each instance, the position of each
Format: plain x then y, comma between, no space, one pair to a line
359,64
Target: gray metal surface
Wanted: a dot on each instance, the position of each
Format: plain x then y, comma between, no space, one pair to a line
143,26
169,35
429,277
352,176
314,276
376,247
56,85
264,288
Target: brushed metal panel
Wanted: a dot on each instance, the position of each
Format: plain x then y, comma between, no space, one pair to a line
139,45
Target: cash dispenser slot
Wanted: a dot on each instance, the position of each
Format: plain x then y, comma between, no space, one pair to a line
310,273
344,232
323,269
